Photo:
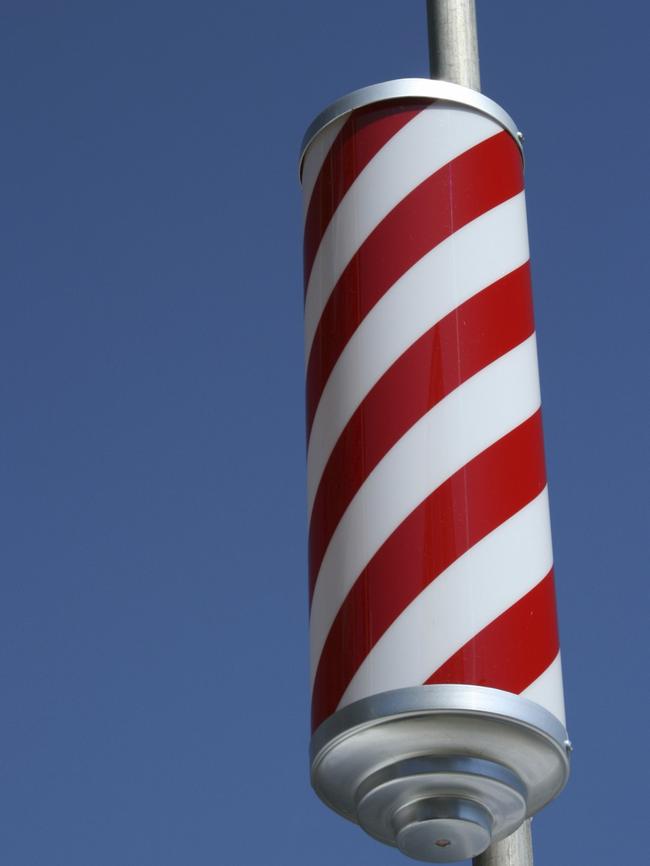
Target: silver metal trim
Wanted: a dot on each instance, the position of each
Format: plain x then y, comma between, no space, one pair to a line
380,798
443,699
453,764
500,750
409,88
460,827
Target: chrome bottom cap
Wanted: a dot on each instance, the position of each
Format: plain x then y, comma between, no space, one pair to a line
440,772
442,830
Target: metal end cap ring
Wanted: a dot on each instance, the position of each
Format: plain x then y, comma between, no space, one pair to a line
442,829
495,755
440,810
409,88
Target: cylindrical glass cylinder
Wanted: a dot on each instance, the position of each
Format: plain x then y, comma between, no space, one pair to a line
429,539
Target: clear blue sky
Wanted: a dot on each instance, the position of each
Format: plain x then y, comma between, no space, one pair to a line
153,615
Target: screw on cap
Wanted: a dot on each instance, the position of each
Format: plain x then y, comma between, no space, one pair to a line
442,829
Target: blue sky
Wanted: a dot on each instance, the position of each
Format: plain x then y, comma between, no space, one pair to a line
153,624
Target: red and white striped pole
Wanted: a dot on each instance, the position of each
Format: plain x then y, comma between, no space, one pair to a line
437,705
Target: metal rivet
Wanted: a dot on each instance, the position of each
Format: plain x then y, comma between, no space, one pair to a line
442,843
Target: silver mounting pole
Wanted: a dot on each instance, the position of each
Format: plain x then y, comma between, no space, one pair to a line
515,850
453,56
453,42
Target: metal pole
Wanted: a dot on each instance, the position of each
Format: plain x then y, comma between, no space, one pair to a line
515,850
453,56
453,42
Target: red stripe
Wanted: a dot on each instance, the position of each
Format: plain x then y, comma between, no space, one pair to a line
468,506
361,137
513,650
472,336
473,183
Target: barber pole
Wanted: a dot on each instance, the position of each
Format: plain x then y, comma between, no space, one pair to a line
437,703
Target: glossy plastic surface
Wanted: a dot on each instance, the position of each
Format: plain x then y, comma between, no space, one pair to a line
429,537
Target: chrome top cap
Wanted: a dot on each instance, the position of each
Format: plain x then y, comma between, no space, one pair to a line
409,88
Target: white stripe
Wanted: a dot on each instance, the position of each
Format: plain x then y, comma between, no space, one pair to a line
470,419
548,691
433,138
468,261
481,585
315,157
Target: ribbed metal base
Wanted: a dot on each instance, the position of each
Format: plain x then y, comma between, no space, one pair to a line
440,772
